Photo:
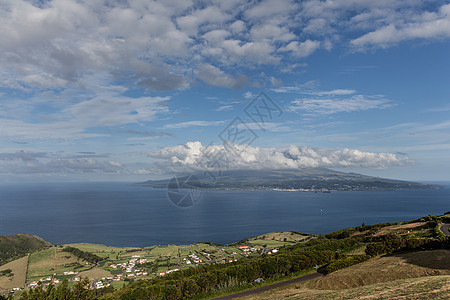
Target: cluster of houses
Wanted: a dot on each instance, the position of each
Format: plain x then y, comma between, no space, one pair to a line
44,281
98,284
130,268
193,258
167,272
247,249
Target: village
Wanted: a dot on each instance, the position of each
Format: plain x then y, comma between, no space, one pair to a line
119,266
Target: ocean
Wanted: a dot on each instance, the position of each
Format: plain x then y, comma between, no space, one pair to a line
119,214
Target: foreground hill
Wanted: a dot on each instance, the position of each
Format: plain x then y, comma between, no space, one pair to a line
309,179
414,275
17,245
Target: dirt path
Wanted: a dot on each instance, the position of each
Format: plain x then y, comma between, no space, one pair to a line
271,287
445,229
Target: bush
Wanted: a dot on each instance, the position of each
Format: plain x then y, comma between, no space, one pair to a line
343,263
87,256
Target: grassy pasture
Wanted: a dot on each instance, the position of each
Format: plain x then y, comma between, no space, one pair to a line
45,262
95,273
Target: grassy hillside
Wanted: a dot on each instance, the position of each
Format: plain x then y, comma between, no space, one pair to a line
420,288
420,275
18,245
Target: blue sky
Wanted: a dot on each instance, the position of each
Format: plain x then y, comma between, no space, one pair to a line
135,90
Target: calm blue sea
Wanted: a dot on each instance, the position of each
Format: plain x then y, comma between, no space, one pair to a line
118,214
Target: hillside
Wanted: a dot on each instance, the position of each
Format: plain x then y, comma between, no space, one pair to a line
417,275
308,179
357,261
18,245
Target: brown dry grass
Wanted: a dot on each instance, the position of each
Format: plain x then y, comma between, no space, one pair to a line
18,267
399,229
388,268
95,273
431,287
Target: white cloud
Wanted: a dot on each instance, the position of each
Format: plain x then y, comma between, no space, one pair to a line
116,110
224,108
194,155
303,49
212,14
74,119
194,123
270,8
157,44
214,76
425,26
314,101
237,26
332,106
336,92
29,162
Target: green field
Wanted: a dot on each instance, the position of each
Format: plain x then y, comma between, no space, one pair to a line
45,263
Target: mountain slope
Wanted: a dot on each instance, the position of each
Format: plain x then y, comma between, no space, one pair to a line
313,179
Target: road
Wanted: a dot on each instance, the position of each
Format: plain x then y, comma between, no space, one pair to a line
445,229
270,287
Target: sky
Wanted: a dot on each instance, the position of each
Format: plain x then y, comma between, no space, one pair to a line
116,90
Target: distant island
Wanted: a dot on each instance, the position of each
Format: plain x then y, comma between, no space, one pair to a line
307,179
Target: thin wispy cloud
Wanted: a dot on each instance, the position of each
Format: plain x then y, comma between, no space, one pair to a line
194,123
333,106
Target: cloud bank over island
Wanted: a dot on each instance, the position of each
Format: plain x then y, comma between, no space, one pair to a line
195,156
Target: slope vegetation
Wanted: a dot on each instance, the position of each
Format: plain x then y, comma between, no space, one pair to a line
18,245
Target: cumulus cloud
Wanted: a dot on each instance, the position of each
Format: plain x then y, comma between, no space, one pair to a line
303,49
214,76
193,155
157,44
